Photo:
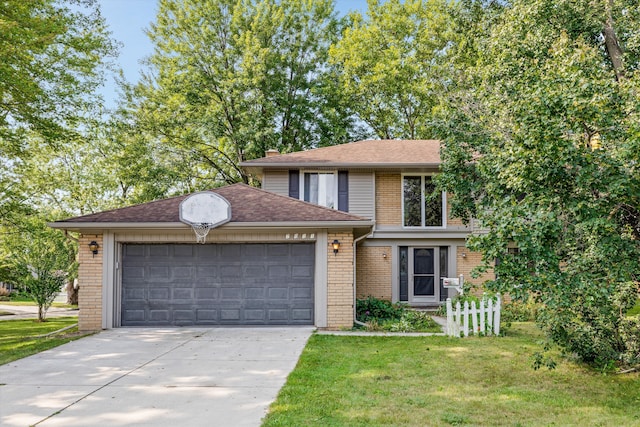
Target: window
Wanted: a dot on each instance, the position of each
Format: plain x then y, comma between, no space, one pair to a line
423,205
320,188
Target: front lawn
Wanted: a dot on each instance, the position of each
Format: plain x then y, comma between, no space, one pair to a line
440,381
17,337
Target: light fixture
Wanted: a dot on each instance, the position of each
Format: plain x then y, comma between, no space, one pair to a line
463,254
336,246
93,247
384,255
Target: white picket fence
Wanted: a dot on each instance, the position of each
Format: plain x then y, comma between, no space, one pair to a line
466,319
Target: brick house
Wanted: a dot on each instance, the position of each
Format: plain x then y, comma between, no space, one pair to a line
273,262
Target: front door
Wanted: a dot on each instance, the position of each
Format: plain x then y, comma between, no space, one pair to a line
424,275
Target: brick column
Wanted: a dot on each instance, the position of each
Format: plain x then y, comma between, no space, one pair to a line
340,281
90,284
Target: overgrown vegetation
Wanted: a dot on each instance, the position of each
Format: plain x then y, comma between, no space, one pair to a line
21,338
541,147
417,381
383,315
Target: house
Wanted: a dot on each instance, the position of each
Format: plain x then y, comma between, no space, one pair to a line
329,225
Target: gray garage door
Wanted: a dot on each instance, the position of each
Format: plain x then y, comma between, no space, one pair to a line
217,284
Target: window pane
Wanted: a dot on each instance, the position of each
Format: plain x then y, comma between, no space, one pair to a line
319,189
404,273
311,188
423,262
412,201
326,189
432,203
423,286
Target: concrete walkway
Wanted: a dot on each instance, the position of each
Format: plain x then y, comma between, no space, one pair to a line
31,312
153,377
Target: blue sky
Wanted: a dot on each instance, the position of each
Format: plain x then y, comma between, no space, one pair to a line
127,20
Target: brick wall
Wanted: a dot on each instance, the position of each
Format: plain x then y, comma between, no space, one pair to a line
468,263
373,271
388,199
90,284
340,282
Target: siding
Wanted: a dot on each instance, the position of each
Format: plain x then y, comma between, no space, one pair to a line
276,182
362,194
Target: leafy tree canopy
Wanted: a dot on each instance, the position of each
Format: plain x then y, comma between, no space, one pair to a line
541,144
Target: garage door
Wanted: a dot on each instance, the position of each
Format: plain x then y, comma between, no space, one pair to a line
217,284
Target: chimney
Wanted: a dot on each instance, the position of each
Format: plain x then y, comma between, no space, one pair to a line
272,152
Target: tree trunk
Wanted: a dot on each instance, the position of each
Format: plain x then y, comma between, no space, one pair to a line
72,293
612,44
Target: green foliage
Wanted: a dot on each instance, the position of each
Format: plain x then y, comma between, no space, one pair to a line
41,261
541,145
383,315
371,308
229,80
519,311
635,310
392,67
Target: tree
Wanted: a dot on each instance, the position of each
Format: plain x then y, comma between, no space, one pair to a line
51,57
42,261
230,79
392,65
541,144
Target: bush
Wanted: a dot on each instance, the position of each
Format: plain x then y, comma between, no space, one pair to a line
382,315
371,308
518,311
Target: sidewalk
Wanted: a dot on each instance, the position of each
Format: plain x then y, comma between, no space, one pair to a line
31,312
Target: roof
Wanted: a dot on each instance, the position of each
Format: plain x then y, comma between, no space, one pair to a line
384,153
248,205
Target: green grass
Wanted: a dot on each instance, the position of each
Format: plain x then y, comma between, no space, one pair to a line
440,381
17,337
32,303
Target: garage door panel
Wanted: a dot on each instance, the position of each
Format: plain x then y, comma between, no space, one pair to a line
217,284
159,293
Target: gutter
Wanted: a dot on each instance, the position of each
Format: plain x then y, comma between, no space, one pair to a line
355,242
182,226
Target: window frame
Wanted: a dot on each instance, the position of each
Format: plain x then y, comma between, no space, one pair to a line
422,203
325,172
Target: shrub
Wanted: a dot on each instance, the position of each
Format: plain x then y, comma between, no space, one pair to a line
518,311
373,308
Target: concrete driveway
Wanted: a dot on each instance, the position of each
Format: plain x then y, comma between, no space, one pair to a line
153,377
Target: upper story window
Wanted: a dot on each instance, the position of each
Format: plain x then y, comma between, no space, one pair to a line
422,204
320,188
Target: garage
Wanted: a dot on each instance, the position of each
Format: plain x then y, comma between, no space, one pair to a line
217,284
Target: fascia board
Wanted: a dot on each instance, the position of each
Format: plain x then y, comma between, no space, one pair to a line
334,165
78,226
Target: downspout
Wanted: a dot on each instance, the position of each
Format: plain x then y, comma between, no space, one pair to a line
355,242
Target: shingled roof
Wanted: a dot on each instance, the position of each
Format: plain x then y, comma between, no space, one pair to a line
369,153
248,205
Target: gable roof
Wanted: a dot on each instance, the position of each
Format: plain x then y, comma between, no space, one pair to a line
383,153
249,206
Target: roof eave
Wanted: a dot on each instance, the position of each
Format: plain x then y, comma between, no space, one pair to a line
272,165
83,226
